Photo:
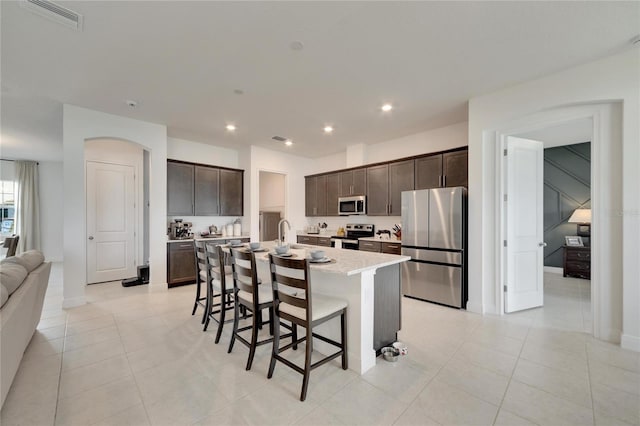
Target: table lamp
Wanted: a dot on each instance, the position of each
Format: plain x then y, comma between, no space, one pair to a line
582,217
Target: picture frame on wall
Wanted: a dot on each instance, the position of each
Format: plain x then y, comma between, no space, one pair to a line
574,241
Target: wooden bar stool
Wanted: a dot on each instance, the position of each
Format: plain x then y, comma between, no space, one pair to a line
220,285
306,310
248,293
201,277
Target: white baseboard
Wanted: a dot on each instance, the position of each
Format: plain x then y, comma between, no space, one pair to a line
474,307
72,302
553,270
630,342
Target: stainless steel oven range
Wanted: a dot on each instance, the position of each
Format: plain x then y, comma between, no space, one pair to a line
353,231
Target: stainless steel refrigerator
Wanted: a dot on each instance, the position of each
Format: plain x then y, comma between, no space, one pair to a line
268,225
434,234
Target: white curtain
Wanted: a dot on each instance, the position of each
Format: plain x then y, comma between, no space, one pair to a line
27,205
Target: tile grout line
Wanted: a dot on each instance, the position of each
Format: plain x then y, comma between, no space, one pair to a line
506,389
64,342
135,380
433,378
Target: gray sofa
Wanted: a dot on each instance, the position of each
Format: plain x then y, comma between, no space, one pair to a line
23,284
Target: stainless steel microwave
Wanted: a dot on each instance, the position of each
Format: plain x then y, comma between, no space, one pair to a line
352,205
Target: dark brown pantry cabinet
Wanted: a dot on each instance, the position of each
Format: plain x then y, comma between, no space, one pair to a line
202,190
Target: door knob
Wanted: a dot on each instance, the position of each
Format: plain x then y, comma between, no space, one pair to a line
543,244
91,238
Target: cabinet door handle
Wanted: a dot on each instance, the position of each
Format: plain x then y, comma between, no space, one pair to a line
440,180
542,244
444,180
91,238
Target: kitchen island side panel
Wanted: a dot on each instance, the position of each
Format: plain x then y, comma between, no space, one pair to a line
386,306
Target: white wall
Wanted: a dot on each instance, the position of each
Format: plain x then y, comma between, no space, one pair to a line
295,168
79,125
196,152
51,209
610,79
272,192
435,140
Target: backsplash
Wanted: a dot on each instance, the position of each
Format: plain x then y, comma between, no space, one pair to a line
202,223
333,222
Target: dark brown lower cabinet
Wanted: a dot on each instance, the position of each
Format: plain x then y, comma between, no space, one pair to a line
379,246
314,241
181,263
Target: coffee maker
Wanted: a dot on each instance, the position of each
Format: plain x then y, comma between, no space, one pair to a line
179,230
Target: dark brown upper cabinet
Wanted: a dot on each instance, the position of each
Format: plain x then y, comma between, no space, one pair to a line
333,192
378,190
180,189
353,182
428,172
455,167
207,195
384,185
201,190
442,170
231,193
400,179
315,196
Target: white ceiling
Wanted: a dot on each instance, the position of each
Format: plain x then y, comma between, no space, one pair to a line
182,61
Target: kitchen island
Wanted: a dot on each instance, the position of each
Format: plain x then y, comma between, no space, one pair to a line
369,282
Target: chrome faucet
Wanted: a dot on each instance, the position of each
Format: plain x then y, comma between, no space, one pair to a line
281,229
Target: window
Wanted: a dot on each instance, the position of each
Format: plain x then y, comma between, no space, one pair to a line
7,206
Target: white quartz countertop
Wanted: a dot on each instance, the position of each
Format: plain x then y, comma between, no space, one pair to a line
347,262
381,240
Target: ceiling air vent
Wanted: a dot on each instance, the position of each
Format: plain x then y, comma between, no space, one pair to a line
54,12
279,138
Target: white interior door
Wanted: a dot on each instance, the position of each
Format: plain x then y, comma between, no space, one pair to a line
110,222
524,224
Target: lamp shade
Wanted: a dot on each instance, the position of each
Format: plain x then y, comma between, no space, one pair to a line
580,216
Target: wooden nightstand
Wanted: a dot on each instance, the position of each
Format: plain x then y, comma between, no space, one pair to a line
577,262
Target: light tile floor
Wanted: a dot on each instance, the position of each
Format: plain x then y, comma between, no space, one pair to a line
133,357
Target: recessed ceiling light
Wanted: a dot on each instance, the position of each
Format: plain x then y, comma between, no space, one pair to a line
386,107
328,129
231,127
288,142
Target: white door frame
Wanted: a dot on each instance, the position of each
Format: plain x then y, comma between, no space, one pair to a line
122,152
286,199
606,203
